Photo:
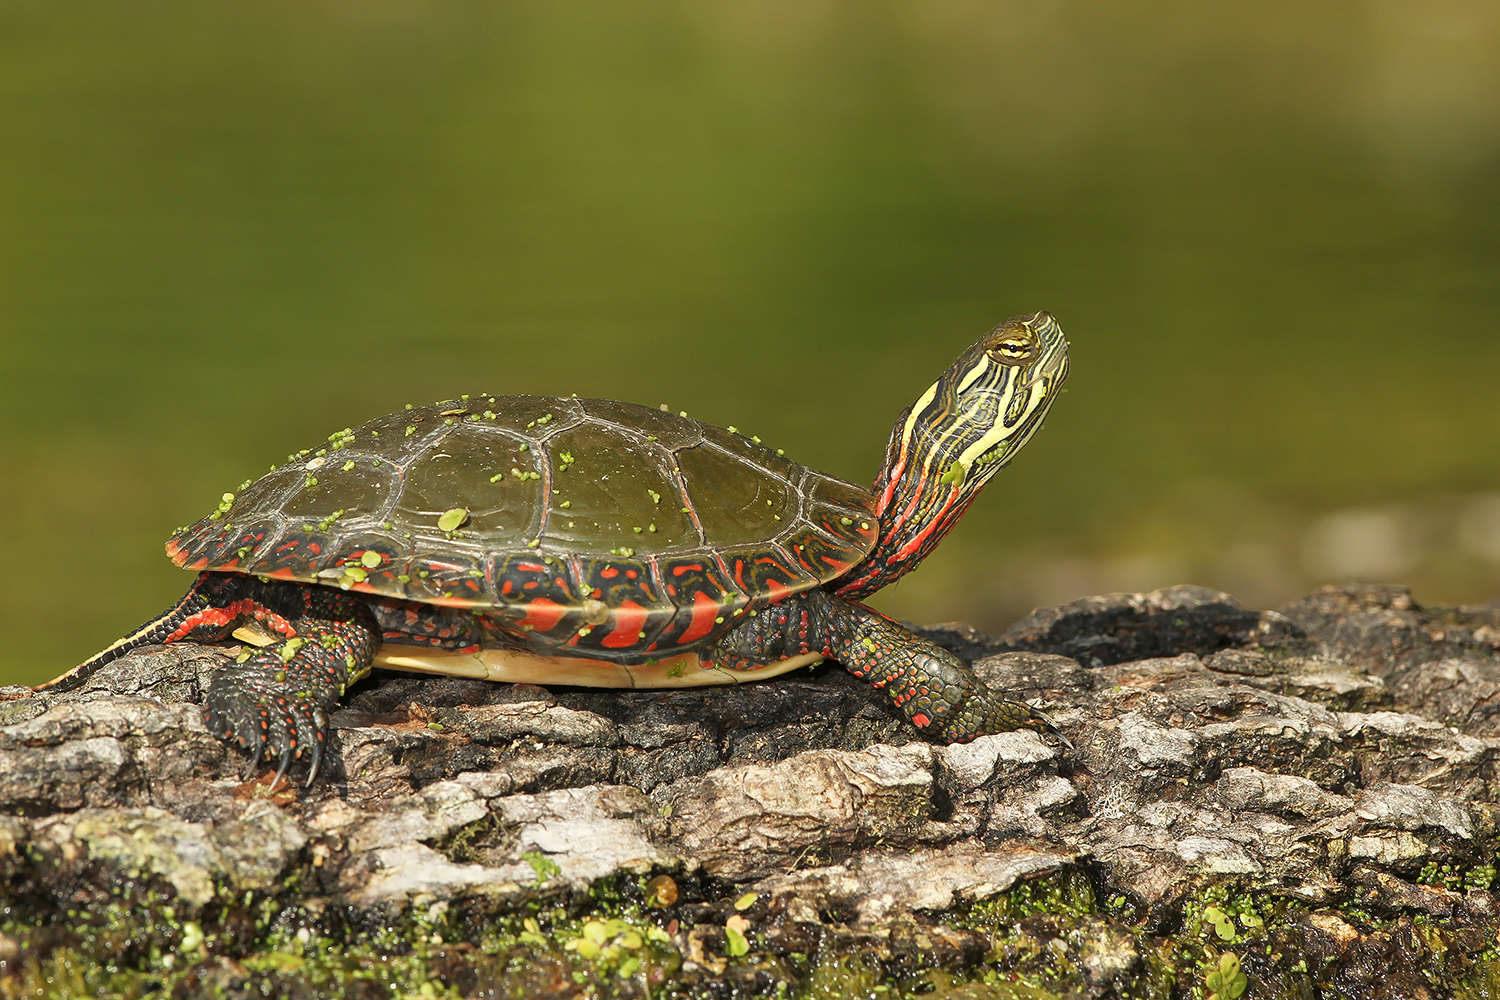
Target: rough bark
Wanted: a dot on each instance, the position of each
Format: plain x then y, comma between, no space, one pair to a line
1339,752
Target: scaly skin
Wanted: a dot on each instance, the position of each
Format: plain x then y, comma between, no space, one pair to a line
931,686
278,698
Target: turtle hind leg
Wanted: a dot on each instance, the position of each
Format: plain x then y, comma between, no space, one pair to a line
931,686
275,703
208,612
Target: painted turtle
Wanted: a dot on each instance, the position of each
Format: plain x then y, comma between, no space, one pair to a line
593,542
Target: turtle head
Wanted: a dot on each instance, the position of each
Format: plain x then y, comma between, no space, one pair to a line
958,434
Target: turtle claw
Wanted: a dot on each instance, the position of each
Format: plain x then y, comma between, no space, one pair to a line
286,762
1043,722
315,762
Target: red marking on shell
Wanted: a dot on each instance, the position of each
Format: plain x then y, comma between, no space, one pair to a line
542,614
631,574
630,618
529,585
739,575
777,591
671,590
198,564
694,567
317,549
506,587
531,567
609,572
282,574
705,610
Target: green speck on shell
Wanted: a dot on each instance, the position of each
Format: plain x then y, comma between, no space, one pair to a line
451,520
651,528
497,477
410,430
637,530
954,475
732,429
525,446
655,496
402,578
846,521
755,439
566,504
352,575
347,465
369,559
566,457
623,551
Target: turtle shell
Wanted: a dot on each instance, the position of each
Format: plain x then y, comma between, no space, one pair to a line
593,527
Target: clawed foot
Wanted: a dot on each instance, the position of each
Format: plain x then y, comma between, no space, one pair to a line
251,704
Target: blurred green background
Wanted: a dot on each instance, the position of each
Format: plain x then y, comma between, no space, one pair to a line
1271,229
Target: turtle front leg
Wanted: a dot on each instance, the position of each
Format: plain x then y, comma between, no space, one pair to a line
930,685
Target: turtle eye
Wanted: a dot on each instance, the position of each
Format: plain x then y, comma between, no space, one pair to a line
1014,345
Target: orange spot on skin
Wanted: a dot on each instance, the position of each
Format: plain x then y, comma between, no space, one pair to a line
921,721
542,614
705,610
630,618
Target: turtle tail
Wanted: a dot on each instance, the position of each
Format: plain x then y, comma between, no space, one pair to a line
186,617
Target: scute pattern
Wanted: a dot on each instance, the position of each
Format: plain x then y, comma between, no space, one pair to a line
582,526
